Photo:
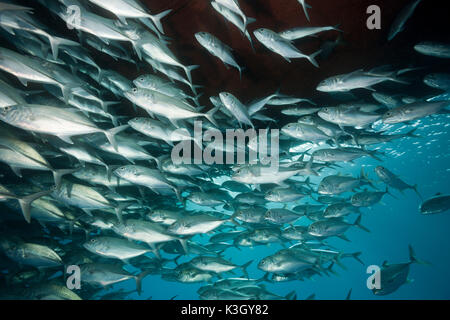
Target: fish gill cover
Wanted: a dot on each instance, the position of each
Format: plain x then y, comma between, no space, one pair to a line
224,150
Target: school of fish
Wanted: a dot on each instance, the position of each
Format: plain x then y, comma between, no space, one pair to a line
97,188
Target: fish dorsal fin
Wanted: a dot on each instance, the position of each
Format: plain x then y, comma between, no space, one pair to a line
438,194
385,263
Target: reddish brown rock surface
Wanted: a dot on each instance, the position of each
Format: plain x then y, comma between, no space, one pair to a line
266,71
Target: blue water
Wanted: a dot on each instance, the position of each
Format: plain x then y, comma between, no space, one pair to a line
394,224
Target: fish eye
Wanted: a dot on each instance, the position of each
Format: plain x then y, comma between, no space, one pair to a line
134,90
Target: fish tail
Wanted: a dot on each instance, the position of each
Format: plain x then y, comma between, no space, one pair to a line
240,72
414,187
195,98
184,244
111,135
119,210
411,134
244,268
155,250
139,279
99,76
55,42
291,295
209,115
25,203
66,90
110,170
312,58
356,257
311,297
349,294
137,49
359,225
309,168
106,104
339,263
177,193
13,7
305,9
188,71
264,278
114,119
251,42
393,77
390,193
156,19
330,269
413,258
308,182
59,173
373,154
337,28
363,176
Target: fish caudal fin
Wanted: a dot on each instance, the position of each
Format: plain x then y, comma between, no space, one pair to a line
156,19
312,58
414,187
184,244
209,115
413,258
59,173
25,203
349,294
291,295
359,225
111,135
139,279
119,210
356,257
305,9
188,71
244,268
55,42
311,297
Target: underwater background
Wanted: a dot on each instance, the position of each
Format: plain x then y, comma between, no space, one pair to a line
394,223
